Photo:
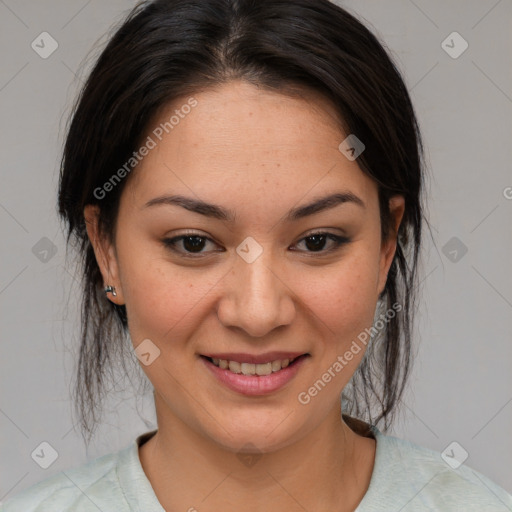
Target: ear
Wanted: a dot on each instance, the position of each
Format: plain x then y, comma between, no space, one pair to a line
388,247
104,252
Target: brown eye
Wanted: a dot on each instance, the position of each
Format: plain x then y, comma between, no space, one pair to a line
187,244
316,242
193,243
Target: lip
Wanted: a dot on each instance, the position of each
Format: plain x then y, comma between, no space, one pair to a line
255,359
256,385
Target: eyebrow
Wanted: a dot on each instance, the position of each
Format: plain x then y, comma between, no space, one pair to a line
218,212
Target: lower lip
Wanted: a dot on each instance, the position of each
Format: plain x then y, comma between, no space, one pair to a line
255,385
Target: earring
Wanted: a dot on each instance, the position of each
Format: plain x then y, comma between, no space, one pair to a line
111,289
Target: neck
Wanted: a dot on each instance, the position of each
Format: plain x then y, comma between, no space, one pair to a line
330,468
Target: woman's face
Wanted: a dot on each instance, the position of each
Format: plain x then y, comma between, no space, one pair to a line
251,279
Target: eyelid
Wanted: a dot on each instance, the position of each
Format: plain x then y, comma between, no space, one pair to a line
339,241
324,231
171,242
312,232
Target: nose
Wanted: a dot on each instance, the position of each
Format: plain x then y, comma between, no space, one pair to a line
257,299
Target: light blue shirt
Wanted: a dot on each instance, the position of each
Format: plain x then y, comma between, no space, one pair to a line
406,478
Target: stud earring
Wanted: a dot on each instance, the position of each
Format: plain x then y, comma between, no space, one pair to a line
111,289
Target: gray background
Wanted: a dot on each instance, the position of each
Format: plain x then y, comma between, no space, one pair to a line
461,387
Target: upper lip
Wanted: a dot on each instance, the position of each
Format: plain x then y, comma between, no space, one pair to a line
255,358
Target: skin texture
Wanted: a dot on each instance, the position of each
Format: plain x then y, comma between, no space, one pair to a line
258,154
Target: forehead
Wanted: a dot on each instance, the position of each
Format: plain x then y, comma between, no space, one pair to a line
245,140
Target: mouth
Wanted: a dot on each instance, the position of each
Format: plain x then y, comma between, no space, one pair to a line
271,374
259,369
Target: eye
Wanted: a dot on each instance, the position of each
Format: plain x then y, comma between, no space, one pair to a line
191,245
315,242
187,245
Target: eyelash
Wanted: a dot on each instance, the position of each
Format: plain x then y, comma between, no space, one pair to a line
338,240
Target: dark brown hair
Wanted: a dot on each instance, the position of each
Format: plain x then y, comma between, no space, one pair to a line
169,49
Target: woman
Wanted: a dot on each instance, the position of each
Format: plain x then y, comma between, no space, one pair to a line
244,182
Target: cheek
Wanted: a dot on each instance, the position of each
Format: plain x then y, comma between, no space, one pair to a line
162,299
343,298
348,288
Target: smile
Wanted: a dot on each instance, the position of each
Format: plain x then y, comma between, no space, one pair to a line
251,368
254,379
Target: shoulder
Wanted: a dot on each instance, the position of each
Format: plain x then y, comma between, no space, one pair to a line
411,477
91,487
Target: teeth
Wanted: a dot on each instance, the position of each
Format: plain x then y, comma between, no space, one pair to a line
235,367
251,368
276,366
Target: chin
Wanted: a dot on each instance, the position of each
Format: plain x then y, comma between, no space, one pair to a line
257,435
